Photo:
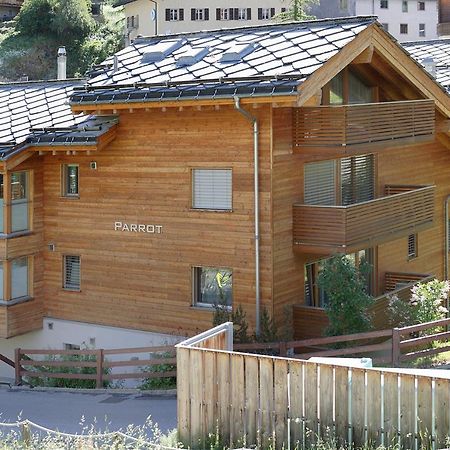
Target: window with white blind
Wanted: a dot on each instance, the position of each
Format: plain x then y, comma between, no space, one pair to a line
320,183
19,277
71,272
212,189
345,181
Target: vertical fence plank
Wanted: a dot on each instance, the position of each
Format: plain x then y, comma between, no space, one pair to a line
311,400
358,405
223,381
196,392
183,394
441,411
326,400
296,406
210,393
17,368
391,394
251,399
341,399
424,404
407,409
374,406
237,400
281,402
266,399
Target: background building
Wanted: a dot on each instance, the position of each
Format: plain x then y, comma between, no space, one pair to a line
9,9
444,18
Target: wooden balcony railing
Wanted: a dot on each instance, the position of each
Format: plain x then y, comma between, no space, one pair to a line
342,125
310,321
443,29
324,229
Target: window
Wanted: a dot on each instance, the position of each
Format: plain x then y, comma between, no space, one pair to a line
212,286
421,30
343,4
19,277
421,6
315,296
403,28
223,14
212,189
265,13
405,6
356,175
412,246
173,15
243,14
71,272
357,90
385,26
70,180
71,347
199,14
19,201
384,4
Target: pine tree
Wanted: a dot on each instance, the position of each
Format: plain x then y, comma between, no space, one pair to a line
297,10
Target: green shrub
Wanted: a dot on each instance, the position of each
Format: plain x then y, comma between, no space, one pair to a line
162,382
348,302
238,316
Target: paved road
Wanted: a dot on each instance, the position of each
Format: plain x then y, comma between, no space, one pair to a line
63,410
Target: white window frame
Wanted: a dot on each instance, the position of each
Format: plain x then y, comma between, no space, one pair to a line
405,27
265,14
199,13
224,13
420,4
195,205
174,15
422,30
242,14
66,287
405,6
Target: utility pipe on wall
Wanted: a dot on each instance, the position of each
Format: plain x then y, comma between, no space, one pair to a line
254,121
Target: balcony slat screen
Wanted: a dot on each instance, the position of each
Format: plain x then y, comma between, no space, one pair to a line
320,183
72,272
357,179
212,188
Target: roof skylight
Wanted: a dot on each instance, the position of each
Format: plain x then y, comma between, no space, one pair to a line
236,52
191,56
161,50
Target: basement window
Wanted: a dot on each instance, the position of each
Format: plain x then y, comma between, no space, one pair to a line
212,286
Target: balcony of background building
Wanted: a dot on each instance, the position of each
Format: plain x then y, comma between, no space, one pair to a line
369,123
324,229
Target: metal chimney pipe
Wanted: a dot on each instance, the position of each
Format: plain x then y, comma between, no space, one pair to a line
62,63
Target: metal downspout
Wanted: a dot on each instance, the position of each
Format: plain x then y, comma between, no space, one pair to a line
254,121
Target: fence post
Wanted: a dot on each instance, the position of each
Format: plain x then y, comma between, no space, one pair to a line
283,349
395,347
99,358
17,367
25,433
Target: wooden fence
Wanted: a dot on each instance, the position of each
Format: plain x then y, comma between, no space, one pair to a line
101,368
260,400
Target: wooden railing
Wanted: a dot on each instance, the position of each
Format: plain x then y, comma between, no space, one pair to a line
284,402
97,360
7,361
320,228
342,125
310,322
443,29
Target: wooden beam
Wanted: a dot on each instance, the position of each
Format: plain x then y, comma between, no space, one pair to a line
444,139
365,57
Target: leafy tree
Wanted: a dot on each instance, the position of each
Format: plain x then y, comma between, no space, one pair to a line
297,10
348,302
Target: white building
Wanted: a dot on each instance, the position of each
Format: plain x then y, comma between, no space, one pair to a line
406,20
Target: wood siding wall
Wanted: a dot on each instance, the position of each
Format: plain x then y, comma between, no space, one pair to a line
143,281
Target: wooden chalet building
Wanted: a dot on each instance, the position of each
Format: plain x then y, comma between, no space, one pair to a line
134,207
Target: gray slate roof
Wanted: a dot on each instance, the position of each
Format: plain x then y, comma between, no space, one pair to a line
439,50
239,61
29,111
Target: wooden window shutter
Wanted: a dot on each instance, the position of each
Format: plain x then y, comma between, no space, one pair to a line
217,13
259,13
206,13
357,179
272,12
212,188
192,13
320,183
249,13
71,272
181,14
167,15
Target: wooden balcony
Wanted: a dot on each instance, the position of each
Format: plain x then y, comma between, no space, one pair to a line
327,229
347,125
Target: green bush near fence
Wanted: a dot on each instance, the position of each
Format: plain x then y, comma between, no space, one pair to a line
159,382
49,381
